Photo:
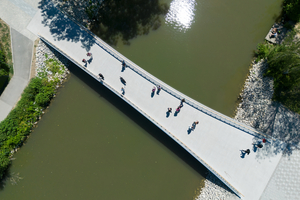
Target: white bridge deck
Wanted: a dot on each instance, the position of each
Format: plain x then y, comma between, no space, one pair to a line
217,140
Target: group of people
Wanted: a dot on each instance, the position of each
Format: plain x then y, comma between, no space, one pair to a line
88,55
154,89
102,77
258,144
178,108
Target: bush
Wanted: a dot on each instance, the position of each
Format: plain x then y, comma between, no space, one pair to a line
284,67
20,120
53,65
4,68
4,163
264,49
292,9
42,99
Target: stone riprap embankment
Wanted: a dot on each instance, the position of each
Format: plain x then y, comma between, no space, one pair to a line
43,53
215,189
259,111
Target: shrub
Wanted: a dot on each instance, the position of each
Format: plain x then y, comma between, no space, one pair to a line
4,68
263,50
4,163
292,8
20,120
53,65
42,99
284,67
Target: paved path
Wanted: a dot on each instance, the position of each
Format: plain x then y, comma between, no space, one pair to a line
217,140
17,14
22,54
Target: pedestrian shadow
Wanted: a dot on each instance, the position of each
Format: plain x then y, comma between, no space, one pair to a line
123,68
167,114
152,94
190,129
158,91
123,81
90,60
242,154
176,113
254,148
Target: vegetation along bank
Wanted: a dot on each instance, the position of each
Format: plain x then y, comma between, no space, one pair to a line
270,99
50,74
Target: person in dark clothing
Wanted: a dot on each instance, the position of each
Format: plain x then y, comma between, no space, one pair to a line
247,151
101,76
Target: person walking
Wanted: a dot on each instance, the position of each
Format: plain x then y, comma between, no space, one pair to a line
123,64
89,54
182,100
122,80
194,125
169,110
84,61
260,143
153,89
247,151
101,76
178,108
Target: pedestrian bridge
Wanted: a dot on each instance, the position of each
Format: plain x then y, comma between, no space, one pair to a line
217,139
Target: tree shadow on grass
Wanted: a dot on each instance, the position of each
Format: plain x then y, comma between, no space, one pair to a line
127,19
63,28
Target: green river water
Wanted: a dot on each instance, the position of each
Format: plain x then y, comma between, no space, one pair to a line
91,145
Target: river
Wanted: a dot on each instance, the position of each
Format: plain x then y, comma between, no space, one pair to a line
91,145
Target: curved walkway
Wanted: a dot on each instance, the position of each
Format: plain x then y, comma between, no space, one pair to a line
22,54
217,140
17,14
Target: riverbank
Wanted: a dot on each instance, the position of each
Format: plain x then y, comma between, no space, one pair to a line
257,110
255,100
16,127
